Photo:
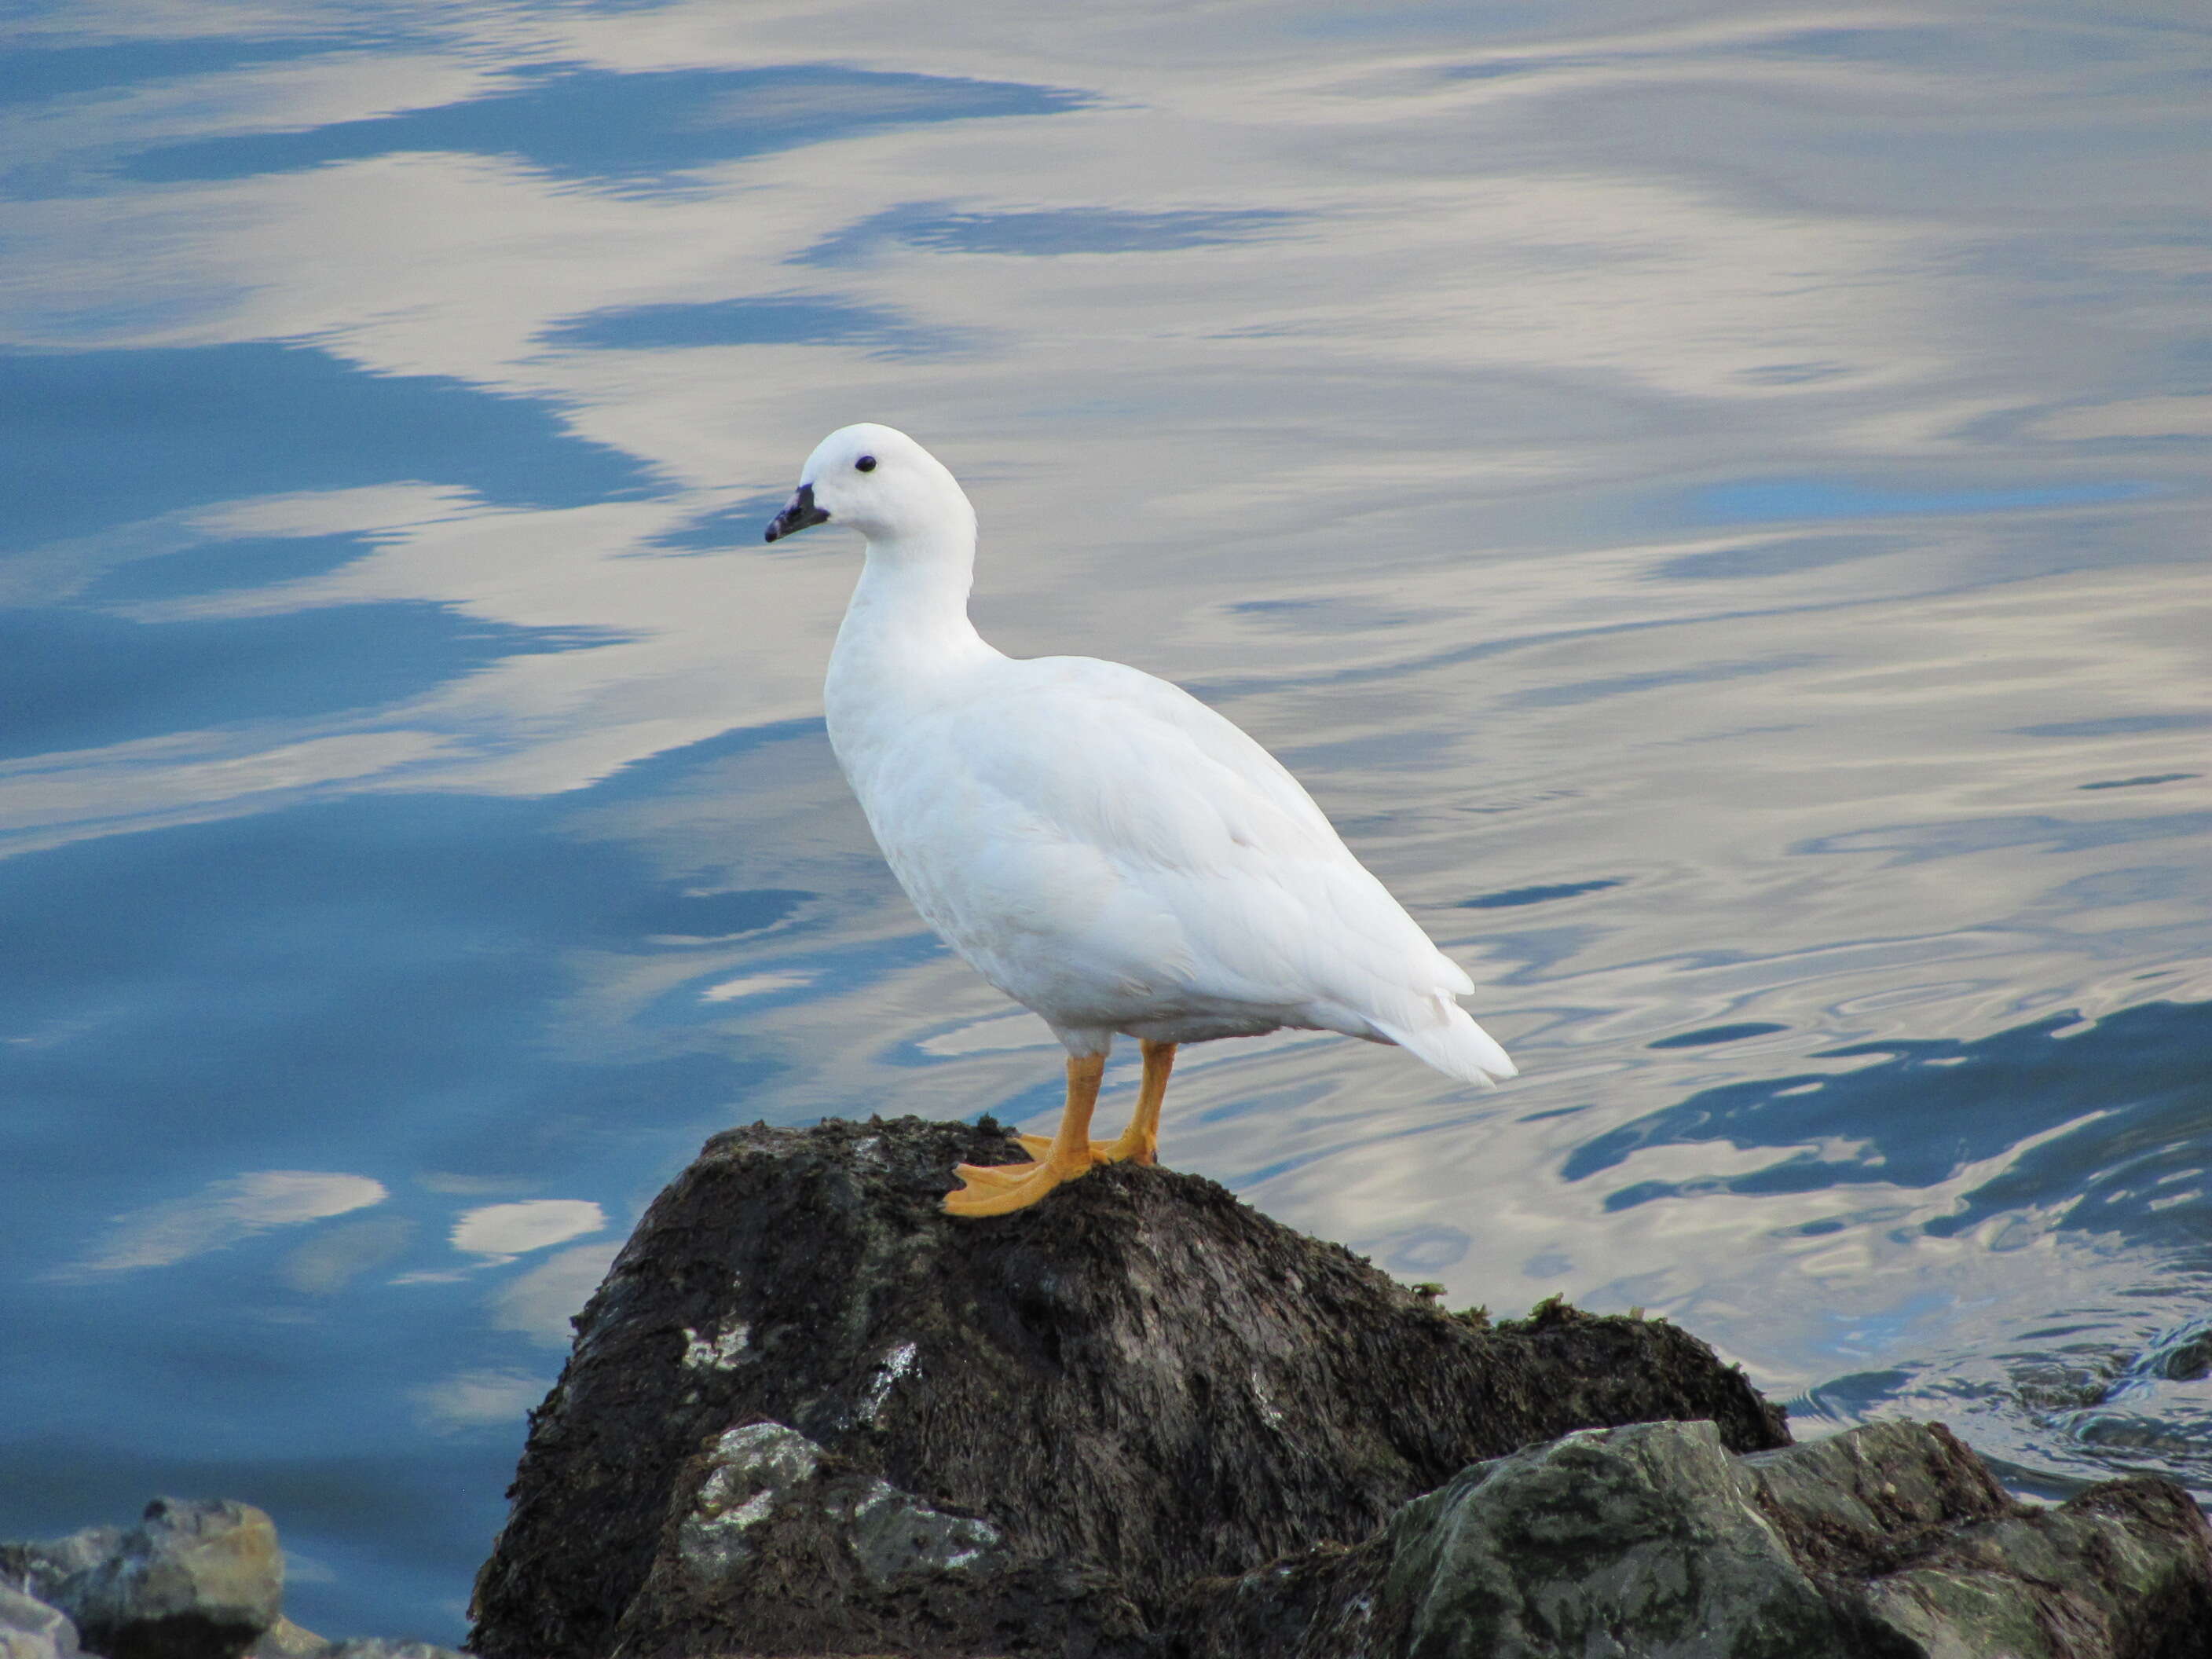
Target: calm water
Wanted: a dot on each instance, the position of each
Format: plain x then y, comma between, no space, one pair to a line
1712,500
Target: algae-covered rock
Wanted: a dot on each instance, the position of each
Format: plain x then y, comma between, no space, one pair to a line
1856,1505
1137,1383
1643,1540
1916,1544
1649,1540
1887,1542
2119,1571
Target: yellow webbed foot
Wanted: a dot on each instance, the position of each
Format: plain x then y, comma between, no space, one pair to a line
999,1189
1002,1188
992,1175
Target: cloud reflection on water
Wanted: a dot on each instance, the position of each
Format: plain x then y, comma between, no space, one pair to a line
223,1212
501,1231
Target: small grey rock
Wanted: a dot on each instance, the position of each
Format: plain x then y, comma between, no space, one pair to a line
192,1581
376,1647
29,1629
40,1569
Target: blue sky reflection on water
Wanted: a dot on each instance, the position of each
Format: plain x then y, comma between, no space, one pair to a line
97,439
607,124
1714,508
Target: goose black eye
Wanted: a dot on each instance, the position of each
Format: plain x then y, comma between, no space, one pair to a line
865,463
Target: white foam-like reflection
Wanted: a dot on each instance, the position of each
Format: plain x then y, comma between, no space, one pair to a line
755,985
504,1229
223,1212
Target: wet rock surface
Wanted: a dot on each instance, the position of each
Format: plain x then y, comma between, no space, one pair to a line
808,1412
1887,1543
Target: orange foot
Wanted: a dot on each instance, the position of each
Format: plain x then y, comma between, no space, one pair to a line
1001,1189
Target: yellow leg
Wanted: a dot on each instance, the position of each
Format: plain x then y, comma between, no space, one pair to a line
987,1189
1141,1141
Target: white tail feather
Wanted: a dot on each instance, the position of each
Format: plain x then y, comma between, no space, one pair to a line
1455,1045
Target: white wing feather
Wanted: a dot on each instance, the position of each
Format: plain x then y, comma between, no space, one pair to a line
1104,826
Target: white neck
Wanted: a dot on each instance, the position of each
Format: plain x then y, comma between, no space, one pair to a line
906,628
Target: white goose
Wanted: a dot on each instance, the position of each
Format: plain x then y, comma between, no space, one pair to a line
1098,844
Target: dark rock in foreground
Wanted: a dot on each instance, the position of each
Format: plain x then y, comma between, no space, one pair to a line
1887,1542
808,1412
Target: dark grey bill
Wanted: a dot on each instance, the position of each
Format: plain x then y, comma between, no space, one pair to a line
798,512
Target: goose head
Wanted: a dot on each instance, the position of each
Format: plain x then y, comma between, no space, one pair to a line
876,480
